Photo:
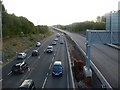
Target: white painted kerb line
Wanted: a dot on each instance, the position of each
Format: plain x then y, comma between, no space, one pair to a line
99,74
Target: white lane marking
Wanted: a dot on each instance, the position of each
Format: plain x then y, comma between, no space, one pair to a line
50,65
9,73
44,82
47,74
29,69
29,56
54,54
39,57
44,50
38,49
52,58
1,80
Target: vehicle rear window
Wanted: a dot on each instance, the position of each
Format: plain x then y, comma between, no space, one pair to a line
19,54
49,48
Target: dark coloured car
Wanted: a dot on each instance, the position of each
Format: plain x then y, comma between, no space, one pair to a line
27,85
57,69
35,53
61,42
19,68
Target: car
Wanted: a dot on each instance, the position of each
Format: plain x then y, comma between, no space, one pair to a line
57,69
35,53
54,43
58,35
19,68
49,49
62,34
38,44
27,84
56,39
21,55
61,42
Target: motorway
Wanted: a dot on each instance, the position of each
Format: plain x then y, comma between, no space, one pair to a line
40,67
104,57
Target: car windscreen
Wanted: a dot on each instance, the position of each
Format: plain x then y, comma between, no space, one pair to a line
49,48
57,68
19,54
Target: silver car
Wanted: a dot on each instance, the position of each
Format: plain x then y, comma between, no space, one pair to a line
21,55
49,49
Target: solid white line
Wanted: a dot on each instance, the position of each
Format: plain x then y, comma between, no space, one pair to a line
52,58
44,82
50,65
99,74
9,73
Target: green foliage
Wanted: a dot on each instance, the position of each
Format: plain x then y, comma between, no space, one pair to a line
83,26
16,26
42,29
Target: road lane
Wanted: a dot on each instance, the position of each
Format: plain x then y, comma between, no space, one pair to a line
59,82
7,68
104,57
40,68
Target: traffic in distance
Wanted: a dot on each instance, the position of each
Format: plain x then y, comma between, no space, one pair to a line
26,63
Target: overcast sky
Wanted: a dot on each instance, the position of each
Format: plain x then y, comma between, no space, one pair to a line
52,12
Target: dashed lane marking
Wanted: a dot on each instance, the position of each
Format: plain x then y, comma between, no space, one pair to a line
9,73
44,82
50,65
1,80
29,56
39,57
52,58
29,69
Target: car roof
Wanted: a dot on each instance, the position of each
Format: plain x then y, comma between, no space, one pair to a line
38,42
50,46
21,53
35,50
26,83
19,64
57,63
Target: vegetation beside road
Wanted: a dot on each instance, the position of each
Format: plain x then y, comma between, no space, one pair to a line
19,34
81,27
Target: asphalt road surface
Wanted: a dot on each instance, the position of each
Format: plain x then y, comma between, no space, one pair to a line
40,67
104,57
